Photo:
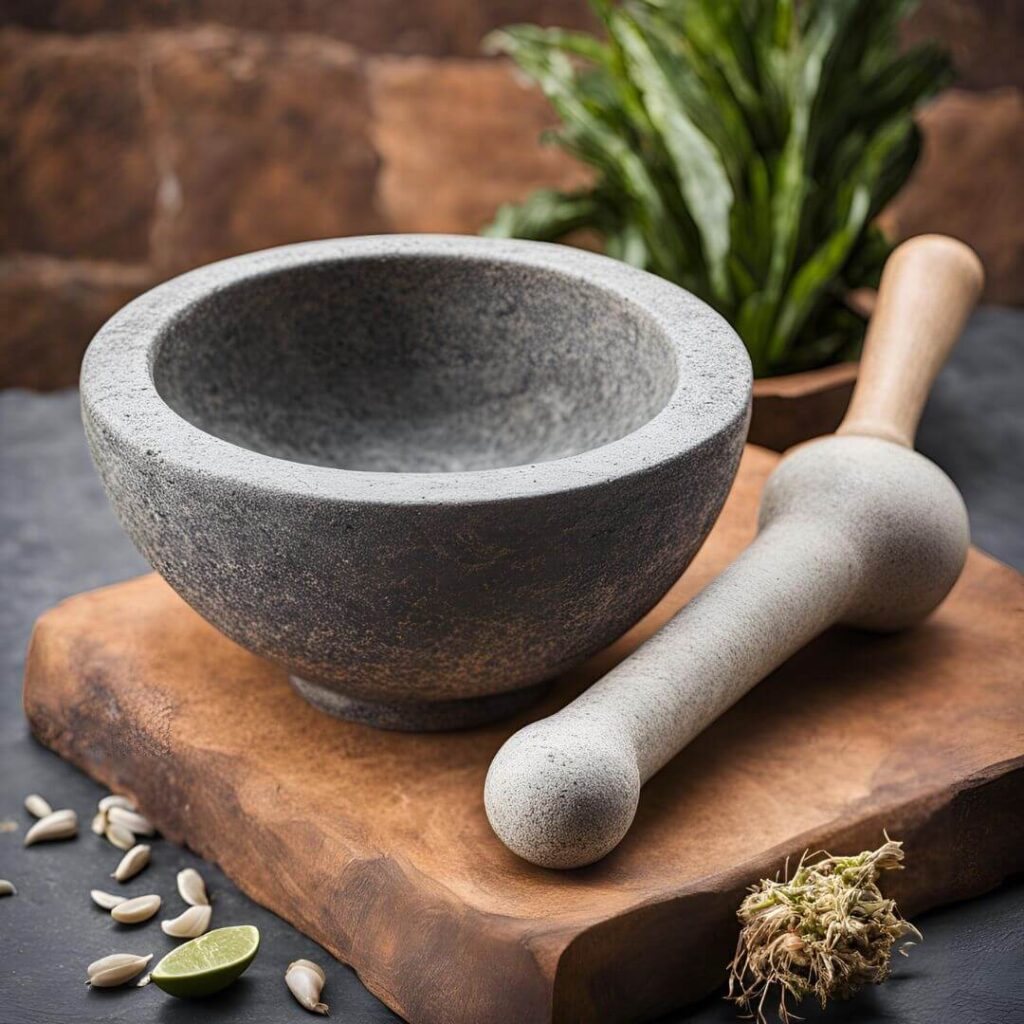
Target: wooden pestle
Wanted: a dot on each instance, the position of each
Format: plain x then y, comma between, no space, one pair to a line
854,528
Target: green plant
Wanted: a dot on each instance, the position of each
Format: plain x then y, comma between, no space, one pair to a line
741,148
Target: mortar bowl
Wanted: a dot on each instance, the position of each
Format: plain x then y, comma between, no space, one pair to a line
425,474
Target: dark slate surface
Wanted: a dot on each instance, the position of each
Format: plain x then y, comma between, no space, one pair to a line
58,537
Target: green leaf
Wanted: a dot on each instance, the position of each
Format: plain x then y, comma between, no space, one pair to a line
591,134
864,268
579,44
718,38
545,216
740,148
902,82
627,244
701,178
824,266
792,170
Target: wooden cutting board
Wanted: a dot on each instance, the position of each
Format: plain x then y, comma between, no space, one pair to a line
377,846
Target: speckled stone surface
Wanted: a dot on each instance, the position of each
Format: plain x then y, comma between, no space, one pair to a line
418,468
852,530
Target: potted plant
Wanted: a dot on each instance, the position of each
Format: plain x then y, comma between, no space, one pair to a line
742,149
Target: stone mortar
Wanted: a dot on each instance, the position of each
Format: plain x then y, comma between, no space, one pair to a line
423,473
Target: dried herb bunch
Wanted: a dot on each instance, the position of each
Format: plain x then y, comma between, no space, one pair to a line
827,931
741,149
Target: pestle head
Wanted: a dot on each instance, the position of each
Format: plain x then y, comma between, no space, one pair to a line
560,796
897,518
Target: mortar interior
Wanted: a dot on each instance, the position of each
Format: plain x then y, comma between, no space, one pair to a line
415,364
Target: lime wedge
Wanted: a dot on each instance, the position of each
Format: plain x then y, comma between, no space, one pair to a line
208,964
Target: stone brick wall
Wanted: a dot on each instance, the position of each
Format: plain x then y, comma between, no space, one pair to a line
144,137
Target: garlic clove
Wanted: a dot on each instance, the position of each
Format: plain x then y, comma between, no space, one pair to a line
192,888
130,820
192,923
106,900
132,863
137,910
58,825
115,969
119,836
305,981
115,800
37,806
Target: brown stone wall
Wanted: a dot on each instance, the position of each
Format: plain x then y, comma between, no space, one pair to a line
144,137
970,183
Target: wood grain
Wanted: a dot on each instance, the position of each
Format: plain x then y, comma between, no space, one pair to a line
929,286
376,843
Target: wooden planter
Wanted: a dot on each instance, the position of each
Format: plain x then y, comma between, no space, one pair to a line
798,406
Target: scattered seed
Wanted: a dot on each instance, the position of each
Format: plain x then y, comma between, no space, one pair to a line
115,969
119,836
106,900
130,820
99,823
7,888
37,806
8,826
58,825
114,800
113,960
305,981
132,863
192,923
192,888
137,910
144,981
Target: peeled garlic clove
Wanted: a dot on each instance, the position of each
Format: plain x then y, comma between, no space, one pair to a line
131,820
192,888
7,888
106,900
114,960
136,910
309,965
115,800
305,981
119,836
37,806
58,825
144,981
189,925
115,969
99,824
132,863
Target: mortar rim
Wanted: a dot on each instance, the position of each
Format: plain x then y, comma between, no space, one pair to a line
711,394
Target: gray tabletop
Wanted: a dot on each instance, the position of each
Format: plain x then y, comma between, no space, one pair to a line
58,537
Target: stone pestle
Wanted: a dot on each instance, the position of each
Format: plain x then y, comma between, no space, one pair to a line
855,528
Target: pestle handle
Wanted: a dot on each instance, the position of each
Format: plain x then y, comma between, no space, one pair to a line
851,530
562,792
929,287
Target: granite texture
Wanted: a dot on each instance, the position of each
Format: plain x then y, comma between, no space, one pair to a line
418,468
57,537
